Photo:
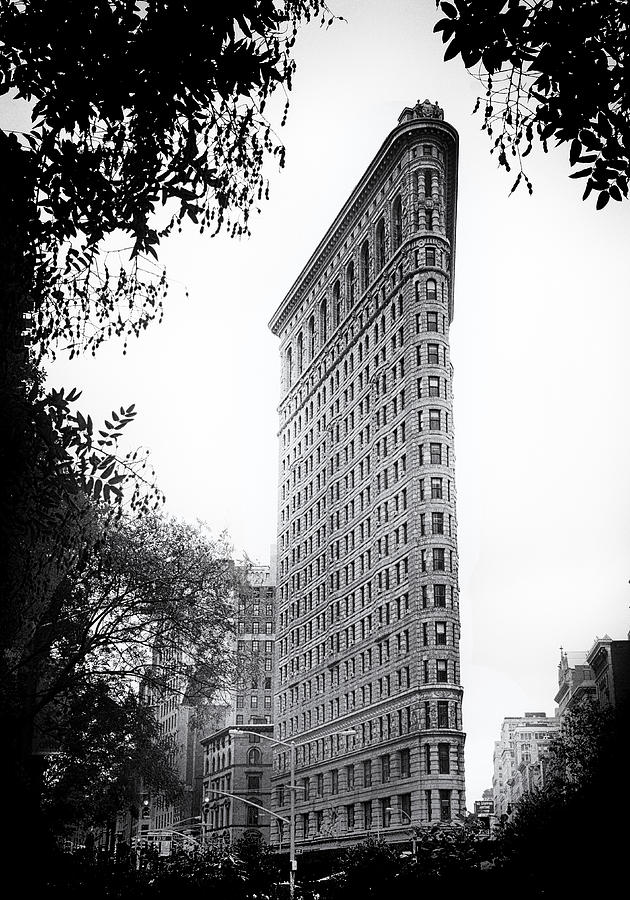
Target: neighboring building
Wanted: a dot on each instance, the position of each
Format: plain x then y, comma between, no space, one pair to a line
520,758
241,764
252,698
237,764
609,661
576,682
175,715
368,607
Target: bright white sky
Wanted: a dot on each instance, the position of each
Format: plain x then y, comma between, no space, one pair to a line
539,343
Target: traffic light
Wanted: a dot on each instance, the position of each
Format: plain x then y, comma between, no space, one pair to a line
146,806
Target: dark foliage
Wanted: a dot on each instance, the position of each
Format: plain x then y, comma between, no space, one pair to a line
144,114
105,746
556,69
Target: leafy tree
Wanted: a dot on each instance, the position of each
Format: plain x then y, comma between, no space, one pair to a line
150,603
106,748
554,69
144,114
585,793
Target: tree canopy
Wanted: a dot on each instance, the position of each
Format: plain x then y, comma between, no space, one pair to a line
555,69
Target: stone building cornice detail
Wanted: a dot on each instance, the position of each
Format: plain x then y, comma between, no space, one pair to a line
411,121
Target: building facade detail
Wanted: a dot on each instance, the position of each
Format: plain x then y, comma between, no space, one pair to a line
519,758
368,605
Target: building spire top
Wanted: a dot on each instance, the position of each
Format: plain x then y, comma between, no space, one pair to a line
424,109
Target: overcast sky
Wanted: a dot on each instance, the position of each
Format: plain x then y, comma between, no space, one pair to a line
539,344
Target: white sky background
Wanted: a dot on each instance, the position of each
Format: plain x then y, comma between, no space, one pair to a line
540,345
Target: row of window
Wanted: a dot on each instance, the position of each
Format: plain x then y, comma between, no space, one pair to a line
306,344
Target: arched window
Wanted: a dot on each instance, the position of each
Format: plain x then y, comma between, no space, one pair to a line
311,338
397,223
252,815
254,757
431,290
380,244
323,321
365,265
350,285
300,353
337,302
289,366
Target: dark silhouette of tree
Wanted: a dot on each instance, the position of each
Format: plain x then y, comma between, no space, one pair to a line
553,69
144,114
107,748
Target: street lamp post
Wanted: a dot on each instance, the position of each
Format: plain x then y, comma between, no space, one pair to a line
292,745
413,833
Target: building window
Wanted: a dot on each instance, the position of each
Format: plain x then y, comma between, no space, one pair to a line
441,670
380,244
434,386
311,337
349,777
435,451
438,559
334,781
442,714
433,354
435,419
428,218
429,256
437,523
254,757
385,767
365,265
445,806
436,489
427,759
350,285
253,782
439,595
319,820
405,763
367,773
367,814
320,785
386,811
300,353
350,816
432,321
323,321
280,795
305,825
404,804
444,765
252,815
397,223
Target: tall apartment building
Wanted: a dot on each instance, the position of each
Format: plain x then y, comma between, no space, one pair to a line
519,758
368,607
252,698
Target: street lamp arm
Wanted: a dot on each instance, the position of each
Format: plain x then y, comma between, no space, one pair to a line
249,803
